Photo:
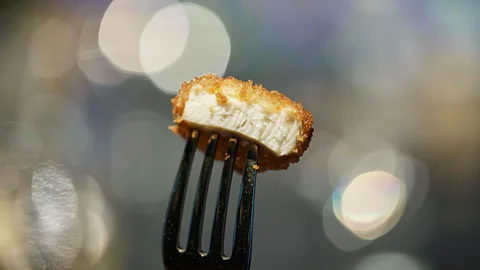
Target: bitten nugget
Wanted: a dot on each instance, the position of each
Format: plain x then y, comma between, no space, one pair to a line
230,107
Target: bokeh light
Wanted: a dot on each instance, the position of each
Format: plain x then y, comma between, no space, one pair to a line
453,61
359,153
313,184
93,197
20,211
61,124
56,227
53,195
8,235
23,145
9,177
139,173
121,29
98,226
379,50
390,260
97,236
52,49
383,159
164,38
20,259
377,6
371,204
339,235
415,176
207,50
92,62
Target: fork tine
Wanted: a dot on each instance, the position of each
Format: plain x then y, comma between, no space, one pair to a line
198,212
175,208
219,222
244,228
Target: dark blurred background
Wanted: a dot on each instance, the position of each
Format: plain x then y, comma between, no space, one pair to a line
390,180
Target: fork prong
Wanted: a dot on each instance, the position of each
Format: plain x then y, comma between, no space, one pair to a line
195,234
175,207
244,223
219,221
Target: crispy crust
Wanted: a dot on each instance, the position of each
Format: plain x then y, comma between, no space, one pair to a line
250,93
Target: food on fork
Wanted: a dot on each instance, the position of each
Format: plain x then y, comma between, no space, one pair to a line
231,107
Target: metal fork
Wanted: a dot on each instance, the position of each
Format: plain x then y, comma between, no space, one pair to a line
192,257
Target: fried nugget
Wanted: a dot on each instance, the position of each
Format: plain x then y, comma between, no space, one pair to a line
230,107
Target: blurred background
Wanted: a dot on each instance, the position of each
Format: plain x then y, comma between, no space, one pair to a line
391,178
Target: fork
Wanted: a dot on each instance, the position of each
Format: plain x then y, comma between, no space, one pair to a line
192,257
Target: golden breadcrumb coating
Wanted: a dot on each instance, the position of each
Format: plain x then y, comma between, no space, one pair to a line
251,93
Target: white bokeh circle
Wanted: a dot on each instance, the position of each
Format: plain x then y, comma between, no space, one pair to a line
207,50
